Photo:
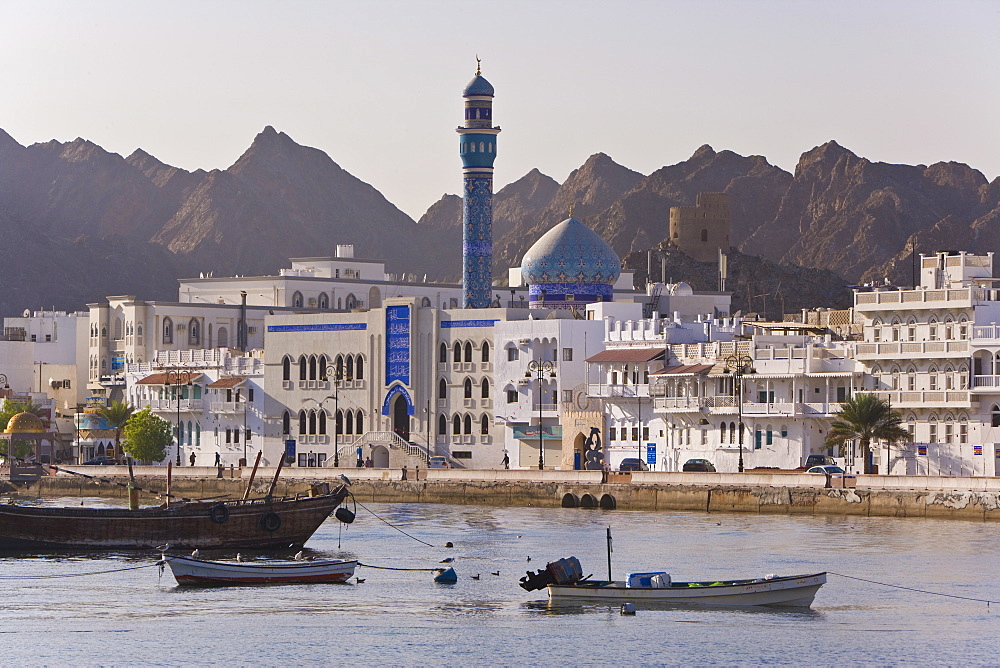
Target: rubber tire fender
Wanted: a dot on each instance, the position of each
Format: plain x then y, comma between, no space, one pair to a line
219,513
270,521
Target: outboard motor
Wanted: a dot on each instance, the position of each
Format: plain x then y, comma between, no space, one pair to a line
562,571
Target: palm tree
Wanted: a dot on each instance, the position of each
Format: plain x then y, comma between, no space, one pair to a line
116,415
865,418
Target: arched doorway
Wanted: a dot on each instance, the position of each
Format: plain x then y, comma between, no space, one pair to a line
400,418
380,457
579,446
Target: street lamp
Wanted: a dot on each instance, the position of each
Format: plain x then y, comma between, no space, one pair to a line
175,378
336,374
739,365
539,369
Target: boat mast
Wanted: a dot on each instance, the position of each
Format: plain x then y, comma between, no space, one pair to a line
609,555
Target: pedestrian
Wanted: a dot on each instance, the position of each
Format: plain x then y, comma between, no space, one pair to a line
404,473
192,459
506,460
360,462
218,459
369,463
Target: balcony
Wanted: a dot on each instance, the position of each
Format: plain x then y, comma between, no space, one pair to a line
726,405
912,350
895,300
927,398
986,384
171,405
228,407
985,335
623,391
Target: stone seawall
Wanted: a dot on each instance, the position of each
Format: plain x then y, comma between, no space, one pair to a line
968,505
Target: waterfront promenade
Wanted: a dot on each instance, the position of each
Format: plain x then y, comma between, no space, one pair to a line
971,498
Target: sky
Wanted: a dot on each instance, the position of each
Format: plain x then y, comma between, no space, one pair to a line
377,85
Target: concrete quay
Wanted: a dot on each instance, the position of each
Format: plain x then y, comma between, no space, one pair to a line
792,493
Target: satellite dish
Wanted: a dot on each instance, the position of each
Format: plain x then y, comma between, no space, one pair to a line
26,313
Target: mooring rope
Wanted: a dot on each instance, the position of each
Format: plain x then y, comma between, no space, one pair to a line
922,591
120,484
74,575
393,568
396,528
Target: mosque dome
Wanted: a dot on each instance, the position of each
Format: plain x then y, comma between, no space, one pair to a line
22,423
571,252
478,86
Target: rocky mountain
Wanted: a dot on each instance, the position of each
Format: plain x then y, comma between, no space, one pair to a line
153,223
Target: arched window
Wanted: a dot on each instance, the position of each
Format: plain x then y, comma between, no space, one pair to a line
286,368
443,354
995,416
168,330
197,434
456,426
482,147
312,422
457,352
297,299
223,337
732,432
359,422
442,425
350,368
484,424
425,302
303,423
340,423
312,367
485,388
486,351
322,422
321,364
468,351
303,367
324,301
138,331
338,368
932,432
722,433
442,389
468,425
468,388
359,368
348,422
194,332
932,378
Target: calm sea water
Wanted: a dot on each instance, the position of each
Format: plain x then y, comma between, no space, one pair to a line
402,618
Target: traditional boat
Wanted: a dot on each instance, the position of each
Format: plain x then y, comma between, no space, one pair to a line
191,571
564,581
261,523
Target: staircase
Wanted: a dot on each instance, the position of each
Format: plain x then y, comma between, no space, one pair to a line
391,440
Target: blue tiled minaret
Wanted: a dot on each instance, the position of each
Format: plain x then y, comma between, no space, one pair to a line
478,148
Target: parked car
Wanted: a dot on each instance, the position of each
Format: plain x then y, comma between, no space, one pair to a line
826,470
100,461
818,460
632,464
438,463
698,465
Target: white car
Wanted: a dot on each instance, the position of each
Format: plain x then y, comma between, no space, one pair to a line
438,463
826,470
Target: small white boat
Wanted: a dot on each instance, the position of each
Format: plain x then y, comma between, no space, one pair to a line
191,571
563,580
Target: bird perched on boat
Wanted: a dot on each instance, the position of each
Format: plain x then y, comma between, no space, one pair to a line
299,556
239,557
347,481
476,576
196,553
447,561
163,548
495,572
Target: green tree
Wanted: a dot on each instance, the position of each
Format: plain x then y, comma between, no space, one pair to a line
865,418
19,448
116,416
147,436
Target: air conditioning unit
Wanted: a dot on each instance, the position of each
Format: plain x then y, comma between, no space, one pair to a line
523,381
523,342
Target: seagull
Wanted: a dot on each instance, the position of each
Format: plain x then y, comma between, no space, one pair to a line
239,557
360,580
447,561
164,547
196,553
299,556
495,572
529,558
475,577
347,481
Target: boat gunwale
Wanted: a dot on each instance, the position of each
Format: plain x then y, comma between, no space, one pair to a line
616,585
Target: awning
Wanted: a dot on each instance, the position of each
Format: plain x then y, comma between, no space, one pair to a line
171,378
684,370
228,382
629,355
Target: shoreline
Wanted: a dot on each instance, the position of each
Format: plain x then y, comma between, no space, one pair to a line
583,490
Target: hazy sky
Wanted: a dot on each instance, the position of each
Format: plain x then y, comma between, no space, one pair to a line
377,85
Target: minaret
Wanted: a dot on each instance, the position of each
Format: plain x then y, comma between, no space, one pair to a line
478,148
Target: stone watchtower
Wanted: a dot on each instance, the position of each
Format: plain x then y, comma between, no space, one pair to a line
702,230
478,148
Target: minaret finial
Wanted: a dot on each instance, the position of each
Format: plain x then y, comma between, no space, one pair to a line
478,69
570,209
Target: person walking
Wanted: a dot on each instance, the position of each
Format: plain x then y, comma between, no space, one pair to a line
218,459
192,459
506,460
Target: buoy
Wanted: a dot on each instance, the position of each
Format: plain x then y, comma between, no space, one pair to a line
448,544
628,609
445,576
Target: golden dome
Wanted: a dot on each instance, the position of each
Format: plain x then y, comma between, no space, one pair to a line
25,423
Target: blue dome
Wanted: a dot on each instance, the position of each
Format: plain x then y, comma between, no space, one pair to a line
571,253
478,86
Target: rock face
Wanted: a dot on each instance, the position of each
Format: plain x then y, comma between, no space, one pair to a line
134,225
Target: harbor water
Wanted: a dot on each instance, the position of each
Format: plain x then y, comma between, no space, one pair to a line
401,617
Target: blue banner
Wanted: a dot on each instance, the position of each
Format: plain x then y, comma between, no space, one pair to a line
651,454
290,451
397,344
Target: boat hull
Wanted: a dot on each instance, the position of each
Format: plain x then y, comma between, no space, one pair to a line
793,591
251,524
197,572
